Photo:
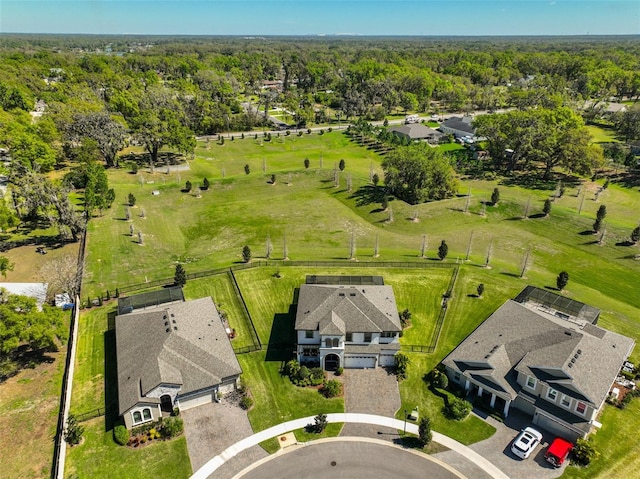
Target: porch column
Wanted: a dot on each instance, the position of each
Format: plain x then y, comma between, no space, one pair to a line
506,408
493,400
479,390
467,385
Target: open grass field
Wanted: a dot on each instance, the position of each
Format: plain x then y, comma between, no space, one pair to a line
318,220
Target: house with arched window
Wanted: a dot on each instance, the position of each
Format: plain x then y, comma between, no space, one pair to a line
349,322
172,355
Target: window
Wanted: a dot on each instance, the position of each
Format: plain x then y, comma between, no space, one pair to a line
456,377
581,408
336,342
367,337
349,337
308,334
146,413
531,382
552,394
137,417
310,352
565,401
388,334
141,416
327,342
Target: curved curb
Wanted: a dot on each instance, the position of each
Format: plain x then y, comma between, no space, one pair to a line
380,442
213,464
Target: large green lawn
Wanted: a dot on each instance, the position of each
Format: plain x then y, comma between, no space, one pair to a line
318,221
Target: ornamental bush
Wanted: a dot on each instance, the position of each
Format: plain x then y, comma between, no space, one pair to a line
121,435
457,409
331,388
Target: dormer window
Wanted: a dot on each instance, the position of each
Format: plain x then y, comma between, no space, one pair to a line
308,334
531,382
367,337
349,337
552,394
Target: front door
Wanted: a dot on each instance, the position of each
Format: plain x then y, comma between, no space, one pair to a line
166,404
331,362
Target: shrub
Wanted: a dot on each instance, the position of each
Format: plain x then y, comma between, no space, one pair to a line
306,162
439,380
132,199
308,131
340,371
205,184
319,424
188,186
171,427
316,376
457,409
331,388
291,368
585,452
121,435
246,402
480,289
74,431
134,167
402,361
329,129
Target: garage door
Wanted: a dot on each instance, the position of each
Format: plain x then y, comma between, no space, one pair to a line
194,401
553,427
359,362
387,360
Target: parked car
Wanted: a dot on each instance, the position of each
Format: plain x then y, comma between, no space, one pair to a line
558,451
526,442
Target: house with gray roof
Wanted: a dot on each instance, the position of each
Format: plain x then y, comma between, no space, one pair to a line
418,132
172,355
458,126
346,324
545,355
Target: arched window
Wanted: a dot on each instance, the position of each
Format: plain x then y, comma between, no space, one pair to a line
137,417
146,413
327,342
336,342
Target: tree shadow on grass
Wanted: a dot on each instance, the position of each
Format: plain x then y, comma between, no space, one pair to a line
110,378
512,275
368,194
586,233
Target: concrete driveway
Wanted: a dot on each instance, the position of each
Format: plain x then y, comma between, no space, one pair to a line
211,428
497,449
370,391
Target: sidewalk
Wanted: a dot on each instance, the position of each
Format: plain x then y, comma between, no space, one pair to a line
212,465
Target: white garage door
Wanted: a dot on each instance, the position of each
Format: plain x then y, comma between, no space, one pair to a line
359,362
194,401
387,360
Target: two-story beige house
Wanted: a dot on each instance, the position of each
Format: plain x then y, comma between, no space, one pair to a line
542,354
347,325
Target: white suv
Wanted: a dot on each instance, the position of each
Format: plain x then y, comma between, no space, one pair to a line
526,442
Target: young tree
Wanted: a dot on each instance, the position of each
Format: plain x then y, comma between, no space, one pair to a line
562,280
246,254
480,289
131,199
634,238
495,196
424,431
5,266
247,170
180,276
306,163
342,165
375,179
443,250
600,216
402,362
73,431
205,184
273,179
546,209
188,186
385,203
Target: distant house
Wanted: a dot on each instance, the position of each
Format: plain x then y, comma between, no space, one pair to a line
172,355
418,132
458,126
341,322
33,290
604,108
543,354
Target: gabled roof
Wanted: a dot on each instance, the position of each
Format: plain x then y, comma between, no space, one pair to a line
416,131
335,310
459,123
183,344
571,356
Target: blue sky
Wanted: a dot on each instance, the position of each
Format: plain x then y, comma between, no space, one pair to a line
314,17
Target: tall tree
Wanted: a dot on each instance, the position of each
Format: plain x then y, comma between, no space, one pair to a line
419,173
562,280
180,276
443,250
108,134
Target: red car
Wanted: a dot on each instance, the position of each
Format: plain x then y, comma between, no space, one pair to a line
558,452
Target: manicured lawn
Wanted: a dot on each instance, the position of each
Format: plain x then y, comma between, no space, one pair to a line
100,457
276,399
602,135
